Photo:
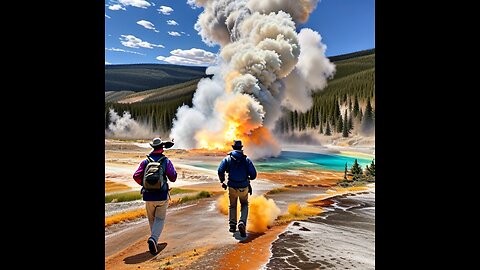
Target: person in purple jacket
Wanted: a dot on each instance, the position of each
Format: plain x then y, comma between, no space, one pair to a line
156,202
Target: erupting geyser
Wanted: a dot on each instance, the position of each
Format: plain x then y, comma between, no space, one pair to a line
264,65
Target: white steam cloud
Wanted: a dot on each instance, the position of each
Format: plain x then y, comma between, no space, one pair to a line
264,64
126,127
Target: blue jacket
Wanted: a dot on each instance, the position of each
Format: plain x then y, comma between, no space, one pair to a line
240,169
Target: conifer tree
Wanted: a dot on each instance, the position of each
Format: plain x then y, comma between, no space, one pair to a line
356,170
339,126
367,120
371,169
345,130
328,132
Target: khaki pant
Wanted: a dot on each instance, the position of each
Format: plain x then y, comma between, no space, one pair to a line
156,213
235,194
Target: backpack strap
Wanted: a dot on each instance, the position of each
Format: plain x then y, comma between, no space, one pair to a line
160,160
149,159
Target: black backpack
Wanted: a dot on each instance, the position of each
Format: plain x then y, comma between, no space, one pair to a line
154,178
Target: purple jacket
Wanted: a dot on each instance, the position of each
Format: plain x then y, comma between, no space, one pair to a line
170,172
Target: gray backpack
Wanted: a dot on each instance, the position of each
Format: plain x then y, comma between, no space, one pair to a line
154,178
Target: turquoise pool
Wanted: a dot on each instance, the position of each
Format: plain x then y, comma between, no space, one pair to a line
289,160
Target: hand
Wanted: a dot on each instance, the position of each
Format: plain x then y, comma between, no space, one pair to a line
224,186
249,189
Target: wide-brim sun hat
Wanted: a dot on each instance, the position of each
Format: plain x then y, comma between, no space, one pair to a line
157,142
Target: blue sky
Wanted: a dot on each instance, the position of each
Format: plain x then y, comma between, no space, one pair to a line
161,31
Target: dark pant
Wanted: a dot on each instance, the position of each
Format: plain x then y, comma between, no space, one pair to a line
235,194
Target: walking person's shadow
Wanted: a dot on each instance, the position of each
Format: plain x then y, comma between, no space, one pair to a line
144,256
248,238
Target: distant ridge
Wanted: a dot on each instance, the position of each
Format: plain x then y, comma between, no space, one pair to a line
140,77
129,78
341,57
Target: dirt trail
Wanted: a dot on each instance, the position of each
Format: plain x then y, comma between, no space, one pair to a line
198,224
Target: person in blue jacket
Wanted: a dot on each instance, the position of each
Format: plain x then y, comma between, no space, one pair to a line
240,171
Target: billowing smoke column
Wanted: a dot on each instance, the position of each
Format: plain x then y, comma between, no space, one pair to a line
264,64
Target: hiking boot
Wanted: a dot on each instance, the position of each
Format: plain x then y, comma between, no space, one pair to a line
233,228
152,246
242,229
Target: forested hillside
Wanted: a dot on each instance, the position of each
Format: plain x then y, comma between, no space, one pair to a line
140,77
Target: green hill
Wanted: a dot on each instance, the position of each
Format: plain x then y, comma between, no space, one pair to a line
140,77
354,80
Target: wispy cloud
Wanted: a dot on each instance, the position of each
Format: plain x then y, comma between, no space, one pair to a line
107,63
106,16
134,42
147,25
185,33
165,10
122,50
135,3
194,56
173,33
193,4
116,7
172,22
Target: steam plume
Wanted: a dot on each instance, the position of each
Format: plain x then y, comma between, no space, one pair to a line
126,127
264,65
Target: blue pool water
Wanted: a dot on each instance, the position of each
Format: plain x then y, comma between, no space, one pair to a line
289,160
299,160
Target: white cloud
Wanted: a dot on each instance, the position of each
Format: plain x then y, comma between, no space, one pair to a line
135,3
106,16
122,50
147,25
172,22
116,7
153,4
194,56
173,33
165,10
193,3
107,63
134,42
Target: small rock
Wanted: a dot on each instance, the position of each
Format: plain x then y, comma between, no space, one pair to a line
304,229
296,223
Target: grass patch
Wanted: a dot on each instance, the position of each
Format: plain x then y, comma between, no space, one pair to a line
131,215
176,191
135,195
200,195
351,183
123,197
